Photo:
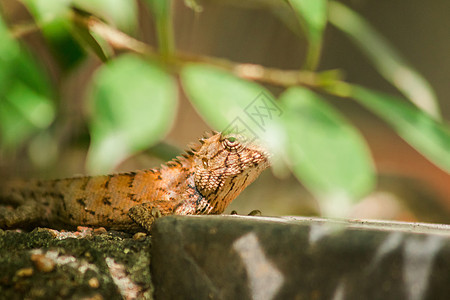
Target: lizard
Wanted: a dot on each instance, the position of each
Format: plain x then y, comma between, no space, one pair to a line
204,180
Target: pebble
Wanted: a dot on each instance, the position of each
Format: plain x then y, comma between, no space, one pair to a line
100,230
43,263
94,283
94,297
24,272
139,235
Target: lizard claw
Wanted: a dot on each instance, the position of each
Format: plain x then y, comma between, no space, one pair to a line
255,212
145,214
156,213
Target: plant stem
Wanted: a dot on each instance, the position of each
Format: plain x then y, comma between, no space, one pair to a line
313,55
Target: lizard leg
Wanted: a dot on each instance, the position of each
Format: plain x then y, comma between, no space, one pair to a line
26,214
145,214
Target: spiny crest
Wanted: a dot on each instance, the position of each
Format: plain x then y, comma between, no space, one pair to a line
210,133
174,162
192,149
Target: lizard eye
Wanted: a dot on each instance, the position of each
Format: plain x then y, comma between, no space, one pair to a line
231,143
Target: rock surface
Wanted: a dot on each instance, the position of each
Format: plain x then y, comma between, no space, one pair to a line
230,257
213,257
48,264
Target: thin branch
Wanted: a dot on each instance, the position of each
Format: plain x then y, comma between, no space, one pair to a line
21,30
277,77
121,41
116,38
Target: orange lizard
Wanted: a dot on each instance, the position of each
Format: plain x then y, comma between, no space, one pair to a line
202,181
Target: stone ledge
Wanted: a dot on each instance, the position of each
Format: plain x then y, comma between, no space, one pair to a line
235,257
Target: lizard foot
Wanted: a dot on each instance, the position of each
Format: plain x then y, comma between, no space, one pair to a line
144,215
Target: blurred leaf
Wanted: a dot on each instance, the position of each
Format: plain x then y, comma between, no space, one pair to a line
192,4
53,19
22,112
162,14
134,105
35,108
86,37
427,135
8,47
25,105
313,16
9,51
159,8
389,63
17,64
120,13
66,48
230,104
220,97
14,128
327,154
47,10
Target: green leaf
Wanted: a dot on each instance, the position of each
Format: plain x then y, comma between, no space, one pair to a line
47,10
120,13
223,99
326,153
86,37
23,111
134,105
13,127
35,108
52,17
25,105
312,14
385,58
421,131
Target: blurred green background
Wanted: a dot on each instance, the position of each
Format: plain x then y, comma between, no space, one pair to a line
51,86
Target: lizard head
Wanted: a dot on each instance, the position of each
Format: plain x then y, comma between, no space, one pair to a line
225,165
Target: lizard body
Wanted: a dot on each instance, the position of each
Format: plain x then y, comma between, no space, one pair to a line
202,181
